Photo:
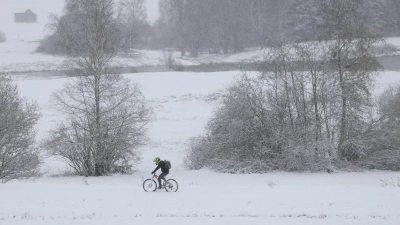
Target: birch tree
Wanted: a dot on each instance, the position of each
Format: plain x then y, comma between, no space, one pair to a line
352,64
105,114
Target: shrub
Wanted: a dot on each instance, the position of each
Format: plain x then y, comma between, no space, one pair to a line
50,45
19,159
168,58
243,137
383,150
2,37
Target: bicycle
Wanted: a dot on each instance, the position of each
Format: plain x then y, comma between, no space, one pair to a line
151,184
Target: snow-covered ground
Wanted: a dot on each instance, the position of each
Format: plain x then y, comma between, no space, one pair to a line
181,107
205,198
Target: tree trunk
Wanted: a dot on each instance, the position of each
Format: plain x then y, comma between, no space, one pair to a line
343,118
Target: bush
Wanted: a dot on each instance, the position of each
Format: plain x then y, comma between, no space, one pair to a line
243,137
168,58
202,154
383,142
384,160
49,45
2,37
19,159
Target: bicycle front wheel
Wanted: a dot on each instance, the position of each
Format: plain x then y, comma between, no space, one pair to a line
149,185
172,185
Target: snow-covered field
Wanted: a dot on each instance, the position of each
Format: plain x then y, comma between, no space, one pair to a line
181,106
205,198
181,110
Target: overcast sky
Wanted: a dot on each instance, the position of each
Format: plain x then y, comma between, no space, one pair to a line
152,10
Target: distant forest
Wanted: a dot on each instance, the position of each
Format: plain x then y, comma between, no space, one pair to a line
228,25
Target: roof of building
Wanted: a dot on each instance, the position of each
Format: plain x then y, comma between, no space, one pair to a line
27,12
30,11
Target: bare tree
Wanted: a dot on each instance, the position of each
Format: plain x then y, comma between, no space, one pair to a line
105,114
228,25
349,39
132,17
19,158
298,20
293,75
314,67
99,141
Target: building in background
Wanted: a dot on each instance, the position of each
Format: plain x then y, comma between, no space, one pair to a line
26,17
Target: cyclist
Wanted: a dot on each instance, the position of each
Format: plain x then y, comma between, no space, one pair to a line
164,170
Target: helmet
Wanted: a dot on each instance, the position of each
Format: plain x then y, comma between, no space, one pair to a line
156,160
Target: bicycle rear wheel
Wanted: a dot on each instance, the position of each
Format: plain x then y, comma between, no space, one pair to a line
149,185
172,185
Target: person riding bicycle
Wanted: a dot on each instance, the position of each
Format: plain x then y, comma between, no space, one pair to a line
164,170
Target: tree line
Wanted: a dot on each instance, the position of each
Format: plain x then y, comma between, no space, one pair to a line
227,25
232,25
310,107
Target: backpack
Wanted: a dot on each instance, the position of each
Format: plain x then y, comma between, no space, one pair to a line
167,164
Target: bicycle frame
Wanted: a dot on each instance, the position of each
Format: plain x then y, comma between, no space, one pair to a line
155,177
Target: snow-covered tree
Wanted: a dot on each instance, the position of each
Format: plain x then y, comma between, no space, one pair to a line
19,158
349,39
105,114
300,20
132,17
228,25
391,16
98,139
382,139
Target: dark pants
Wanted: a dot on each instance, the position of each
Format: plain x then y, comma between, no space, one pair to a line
162,175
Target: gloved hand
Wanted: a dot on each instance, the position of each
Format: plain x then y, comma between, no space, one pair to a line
152,172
